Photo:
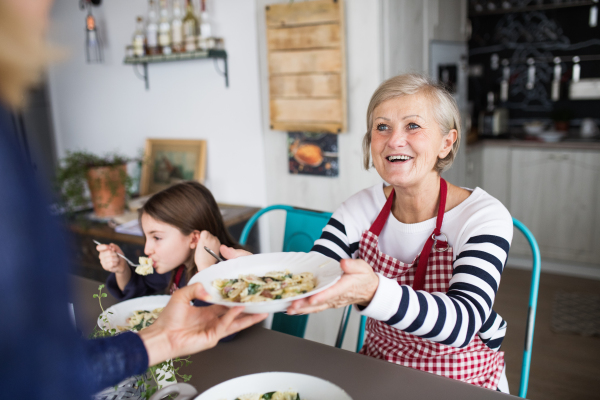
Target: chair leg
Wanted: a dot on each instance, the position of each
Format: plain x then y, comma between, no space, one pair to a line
343,325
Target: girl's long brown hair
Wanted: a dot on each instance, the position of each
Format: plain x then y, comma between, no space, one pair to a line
189,206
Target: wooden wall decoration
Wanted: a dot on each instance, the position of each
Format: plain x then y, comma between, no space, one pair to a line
307,67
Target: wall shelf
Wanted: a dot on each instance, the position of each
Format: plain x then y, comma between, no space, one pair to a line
196,55
538,7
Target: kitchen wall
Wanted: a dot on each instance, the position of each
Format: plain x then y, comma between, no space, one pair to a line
105,107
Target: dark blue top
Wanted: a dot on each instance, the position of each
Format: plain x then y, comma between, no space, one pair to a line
42,357
140,285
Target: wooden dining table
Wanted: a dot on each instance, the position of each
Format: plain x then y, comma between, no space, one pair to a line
261,350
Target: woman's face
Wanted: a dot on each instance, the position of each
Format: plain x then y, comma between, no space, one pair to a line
406,140
165,244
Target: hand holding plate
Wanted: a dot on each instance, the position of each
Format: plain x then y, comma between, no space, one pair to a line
357,286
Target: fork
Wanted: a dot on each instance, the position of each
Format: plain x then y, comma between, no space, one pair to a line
120,255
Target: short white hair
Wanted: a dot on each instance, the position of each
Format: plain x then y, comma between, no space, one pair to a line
445,110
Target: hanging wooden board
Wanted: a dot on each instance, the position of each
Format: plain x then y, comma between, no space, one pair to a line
307,68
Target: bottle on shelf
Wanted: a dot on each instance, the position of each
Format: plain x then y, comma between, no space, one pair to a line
164,29
152,47
177,28
190,28
139,38
494,120
205,39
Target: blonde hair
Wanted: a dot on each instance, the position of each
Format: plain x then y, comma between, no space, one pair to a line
445,110
23,56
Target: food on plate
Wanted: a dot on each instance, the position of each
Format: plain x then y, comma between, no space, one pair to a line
145,267
272,286
288,395
141,319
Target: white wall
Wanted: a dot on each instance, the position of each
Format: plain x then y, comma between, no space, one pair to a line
105,107
363,65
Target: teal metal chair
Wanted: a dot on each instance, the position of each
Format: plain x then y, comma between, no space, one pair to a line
302,228
533,295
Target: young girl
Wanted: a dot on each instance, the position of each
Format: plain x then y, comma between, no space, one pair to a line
177,222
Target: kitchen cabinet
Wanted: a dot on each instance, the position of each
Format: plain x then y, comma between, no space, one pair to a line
553,191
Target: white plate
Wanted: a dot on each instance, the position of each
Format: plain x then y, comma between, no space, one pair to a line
122,311
326,270
309,387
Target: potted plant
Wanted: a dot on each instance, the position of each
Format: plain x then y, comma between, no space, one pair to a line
105,176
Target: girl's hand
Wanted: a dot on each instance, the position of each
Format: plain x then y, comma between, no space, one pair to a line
202,259
357,286
109,259
229,253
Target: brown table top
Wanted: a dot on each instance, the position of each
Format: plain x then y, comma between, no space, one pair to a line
232,215
261,350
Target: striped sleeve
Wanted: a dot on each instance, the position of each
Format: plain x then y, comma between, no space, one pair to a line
334,242
455,317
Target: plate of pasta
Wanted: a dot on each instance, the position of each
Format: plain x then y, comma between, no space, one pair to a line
134,314
275,386
265,283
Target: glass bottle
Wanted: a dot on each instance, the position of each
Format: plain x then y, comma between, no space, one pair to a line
205,40
138,38
177,28
190,28
164,29
152,47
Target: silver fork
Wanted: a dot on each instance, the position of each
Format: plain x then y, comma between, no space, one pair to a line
120,255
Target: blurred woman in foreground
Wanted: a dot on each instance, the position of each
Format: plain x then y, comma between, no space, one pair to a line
44,357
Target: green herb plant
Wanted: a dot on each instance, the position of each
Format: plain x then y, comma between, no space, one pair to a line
71,181
149,381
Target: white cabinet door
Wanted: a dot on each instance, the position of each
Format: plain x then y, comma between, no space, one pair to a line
554,193
495,177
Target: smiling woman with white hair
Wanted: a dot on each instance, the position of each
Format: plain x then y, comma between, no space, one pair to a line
422,258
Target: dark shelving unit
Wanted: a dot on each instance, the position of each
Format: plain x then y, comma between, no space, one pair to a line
161,58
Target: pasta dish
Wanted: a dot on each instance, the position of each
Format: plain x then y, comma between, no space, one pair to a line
289,395
145,267
141,319
273,286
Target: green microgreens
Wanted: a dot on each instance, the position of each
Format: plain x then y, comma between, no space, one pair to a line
149,381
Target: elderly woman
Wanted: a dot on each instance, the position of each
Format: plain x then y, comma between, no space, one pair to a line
422,258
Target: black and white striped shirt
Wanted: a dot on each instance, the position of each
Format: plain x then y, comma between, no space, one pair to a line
480,231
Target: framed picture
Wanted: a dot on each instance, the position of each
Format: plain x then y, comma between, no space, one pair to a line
168,161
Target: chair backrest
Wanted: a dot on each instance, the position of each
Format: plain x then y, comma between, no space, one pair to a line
533,295
302,228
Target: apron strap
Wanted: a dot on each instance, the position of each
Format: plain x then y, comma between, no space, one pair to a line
382,218
421,271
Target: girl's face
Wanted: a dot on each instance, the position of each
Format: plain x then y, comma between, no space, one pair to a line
166,245
406,140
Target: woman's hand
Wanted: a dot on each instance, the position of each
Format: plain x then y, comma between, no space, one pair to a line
357,286
109,259
202,258
182,329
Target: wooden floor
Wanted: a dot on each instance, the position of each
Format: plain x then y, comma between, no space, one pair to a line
563,366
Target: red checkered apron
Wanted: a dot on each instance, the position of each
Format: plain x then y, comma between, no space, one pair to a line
476,364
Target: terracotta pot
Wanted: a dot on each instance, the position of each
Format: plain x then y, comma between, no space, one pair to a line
107,188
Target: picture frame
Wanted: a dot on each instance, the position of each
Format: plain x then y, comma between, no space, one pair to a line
168,161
